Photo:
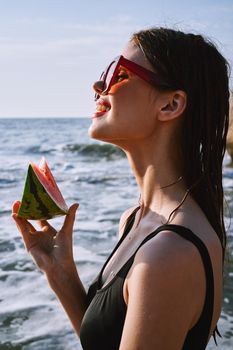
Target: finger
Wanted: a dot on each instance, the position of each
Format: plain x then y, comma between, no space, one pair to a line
15,207
25,228
22,221
46,226
70,218
23,225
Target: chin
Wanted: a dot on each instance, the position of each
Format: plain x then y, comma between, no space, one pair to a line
118,134
103,135
94,132
97,132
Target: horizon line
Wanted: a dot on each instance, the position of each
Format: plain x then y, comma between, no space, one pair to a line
40,117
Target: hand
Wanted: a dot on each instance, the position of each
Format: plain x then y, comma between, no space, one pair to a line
50,249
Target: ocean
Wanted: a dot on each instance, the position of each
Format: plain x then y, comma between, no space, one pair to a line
98,177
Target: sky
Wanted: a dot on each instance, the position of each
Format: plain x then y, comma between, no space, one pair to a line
51,51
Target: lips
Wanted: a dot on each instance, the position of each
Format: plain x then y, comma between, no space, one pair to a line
102,107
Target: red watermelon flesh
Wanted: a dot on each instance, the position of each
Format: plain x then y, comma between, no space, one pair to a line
47,180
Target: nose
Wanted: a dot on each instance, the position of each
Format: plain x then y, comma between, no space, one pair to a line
98,86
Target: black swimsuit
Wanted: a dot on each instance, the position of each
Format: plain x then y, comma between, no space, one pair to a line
103,321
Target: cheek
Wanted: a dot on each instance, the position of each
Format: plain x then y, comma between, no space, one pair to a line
136,114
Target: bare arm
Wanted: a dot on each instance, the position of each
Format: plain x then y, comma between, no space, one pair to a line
164,295
53,253
71,293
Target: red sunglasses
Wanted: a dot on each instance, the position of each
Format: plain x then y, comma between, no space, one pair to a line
109,75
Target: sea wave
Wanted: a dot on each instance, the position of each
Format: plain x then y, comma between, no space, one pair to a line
96,175
7,182
39,149
95,150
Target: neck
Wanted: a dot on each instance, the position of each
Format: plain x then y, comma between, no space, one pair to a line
159,177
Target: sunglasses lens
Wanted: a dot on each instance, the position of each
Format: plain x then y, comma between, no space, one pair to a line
97,95
107,77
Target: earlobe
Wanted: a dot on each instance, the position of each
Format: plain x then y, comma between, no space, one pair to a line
174,106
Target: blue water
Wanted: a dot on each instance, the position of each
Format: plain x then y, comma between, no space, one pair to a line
97,176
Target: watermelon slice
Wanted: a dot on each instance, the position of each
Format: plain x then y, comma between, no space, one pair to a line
42,198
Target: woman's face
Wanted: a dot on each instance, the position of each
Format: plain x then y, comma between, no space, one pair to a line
128,112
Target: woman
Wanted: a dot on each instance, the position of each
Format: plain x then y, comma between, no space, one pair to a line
165,103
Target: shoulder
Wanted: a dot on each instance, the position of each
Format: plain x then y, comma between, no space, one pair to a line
167,251
167,247
166,274
169,267
124,218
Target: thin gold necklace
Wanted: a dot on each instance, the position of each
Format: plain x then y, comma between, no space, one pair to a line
161,187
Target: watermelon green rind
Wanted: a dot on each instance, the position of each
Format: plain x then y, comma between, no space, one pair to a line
36,203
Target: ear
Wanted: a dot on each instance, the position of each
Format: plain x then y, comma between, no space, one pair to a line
172,105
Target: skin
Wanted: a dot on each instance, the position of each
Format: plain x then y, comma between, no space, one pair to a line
52,252
146,123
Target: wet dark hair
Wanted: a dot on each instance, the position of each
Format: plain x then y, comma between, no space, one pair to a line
193,64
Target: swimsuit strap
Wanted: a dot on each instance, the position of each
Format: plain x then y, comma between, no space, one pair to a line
128,226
